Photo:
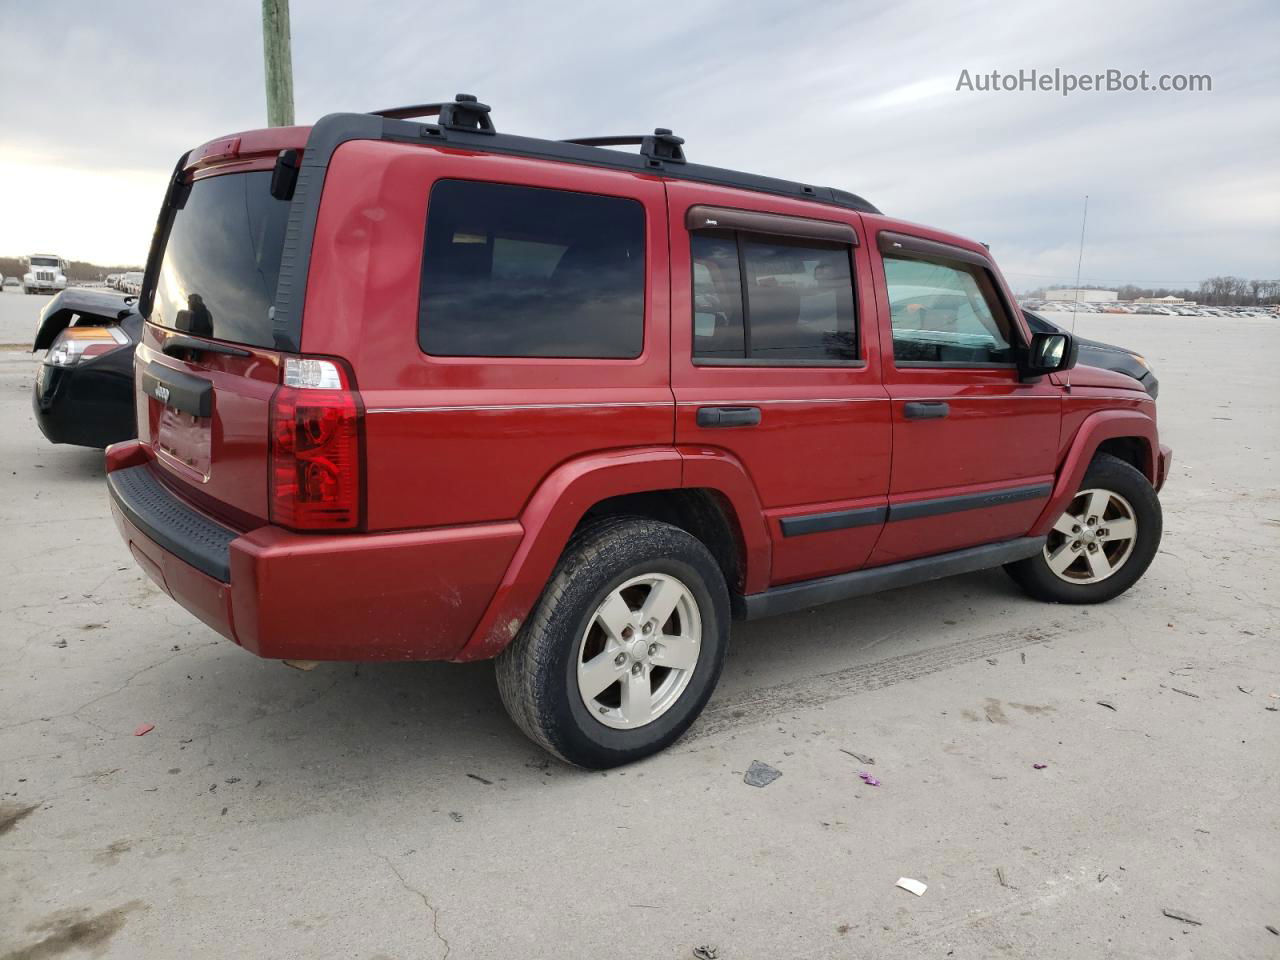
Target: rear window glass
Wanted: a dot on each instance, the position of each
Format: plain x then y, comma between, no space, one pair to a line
222,261
513,271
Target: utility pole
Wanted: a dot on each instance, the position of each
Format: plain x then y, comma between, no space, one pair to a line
279,62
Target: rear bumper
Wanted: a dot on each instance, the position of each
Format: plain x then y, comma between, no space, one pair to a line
87,405
393,596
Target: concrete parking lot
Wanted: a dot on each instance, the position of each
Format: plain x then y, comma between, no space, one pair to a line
392,811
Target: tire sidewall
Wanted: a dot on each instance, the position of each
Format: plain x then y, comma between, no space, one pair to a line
576,732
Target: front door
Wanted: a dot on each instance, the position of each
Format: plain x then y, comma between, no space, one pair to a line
974,447
774,363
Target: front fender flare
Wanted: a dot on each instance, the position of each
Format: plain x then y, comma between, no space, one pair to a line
1100,426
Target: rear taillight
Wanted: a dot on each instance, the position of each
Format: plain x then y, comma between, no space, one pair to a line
316,423
84,343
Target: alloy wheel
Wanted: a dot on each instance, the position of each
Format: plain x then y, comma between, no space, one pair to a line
1093,538
639,651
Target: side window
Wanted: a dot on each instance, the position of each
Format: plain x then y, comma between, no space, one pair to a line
944,314
510,271
798,299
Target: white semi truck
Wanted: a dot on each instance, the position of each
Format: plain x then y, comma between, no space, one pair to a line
46,273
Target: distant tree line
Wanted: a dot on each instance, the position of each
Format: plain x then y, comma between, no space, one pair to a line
1214,292
78,271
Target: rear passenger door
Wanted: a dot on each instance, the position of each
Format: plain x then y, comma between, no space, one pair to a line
774,363
974,447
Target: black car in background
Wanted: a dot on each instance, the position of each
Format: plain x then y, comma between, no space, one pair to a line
1104,355
84,388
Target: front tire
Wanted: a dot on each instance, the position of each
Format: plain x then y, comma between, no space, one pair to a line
1103,542
624,648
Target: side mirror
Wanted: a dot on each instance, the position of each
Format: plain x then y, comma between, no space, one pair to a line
1049,353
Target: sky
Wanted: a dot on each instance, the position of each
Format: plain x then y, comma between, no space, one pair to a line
862,96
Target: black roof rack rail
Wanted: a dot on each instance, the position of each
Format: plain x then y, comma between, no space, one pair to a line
662,144
464,112
465,124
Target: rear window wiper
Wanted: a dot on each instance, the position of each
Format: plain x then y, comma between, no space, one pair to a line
177,344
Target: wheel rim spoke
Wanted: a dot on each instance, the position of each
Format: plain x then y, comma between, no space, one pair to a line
1099,565
1122,529
614,616
599,673
637,698
676,652
662,600
1062,558
1097,506
1066,524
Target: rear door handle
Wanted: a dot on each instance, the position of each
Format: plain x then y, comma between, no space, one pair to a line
926,409
728,416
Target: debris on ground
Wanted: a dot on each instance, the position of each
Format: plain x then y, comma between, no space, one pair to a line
1039,766
303,665
1103,876
1024,656
860,757
1004,881
1271,929
142,729
706,951
1185,693
760,774
1248,690
1180,915
868,779
912,886
455,816
1106,703
476,776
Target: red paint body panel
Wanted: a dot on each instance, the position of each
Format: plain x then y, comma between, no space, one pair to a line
476,471
824,435
471,437
397,596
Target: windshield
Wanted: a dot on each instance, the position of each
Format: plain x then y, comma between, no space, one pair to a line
44,261
221,263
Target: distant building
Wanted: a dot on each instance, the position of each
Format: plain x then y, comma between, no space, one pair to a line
1089,296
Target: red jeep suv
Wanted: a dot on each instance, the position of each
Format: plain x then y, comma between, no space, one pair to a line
417,390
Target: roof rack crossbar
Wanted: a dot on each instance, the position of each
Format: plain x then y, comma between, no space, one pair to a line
464,112
662,144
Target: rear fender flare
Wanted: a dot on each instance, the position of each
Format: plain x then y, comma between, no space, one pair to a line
1100,426
717,470
549,519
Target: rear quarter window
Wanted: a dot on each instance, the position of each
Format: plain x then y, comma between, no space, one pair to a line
513,271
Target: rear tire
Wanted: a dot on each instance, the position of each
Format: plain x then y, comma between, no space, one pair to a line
624,647
1103,542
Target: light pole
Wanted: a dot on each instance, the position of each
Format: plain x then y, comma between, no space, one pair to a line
279,62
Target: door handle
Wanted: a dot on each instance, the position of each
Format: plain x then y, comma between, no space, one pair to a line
926,409
728,416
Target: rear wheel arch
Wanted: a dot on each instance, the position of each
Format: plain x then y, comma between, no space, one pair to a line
705,514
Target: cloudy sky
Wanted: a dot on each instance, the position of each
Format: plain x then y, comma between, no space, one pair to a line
100,99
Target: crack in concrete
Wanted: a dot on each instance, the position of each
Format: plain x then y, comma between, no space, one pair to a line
435,912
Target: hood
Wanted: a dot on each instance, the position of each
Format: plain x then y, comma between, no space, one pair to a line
1082,375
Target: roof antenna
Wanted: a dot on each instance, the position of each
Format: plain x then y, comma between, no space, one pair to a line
1079,263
